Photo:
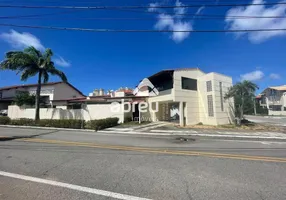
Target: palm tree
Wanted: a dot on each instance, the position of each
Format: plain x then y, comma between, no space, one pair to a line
240,92
31,62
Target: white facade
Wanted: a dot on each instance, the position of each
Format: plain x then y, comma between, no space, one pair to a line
197,105
274,98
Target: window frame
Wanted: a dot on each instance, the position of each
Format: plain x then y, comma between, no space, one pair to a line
183,84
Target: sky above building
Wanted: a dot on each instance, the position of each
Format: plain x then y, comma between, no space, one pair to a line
110,60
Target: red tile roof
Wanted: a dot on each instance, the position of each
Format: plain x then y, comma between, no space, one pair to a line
34,85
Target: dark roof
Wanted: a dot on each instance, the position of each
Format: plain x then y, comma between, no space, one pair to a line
173,70
34,85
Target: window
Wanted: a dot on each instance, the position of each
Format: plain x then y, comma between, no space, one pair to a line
209,86
275,107
210,105
0,94
189,84
221,95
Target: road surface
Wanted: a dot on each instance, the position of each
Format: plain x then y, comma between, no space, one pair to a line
82,165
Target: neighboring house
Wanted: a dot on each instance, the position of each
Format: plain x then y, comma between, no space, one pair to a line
191,96
49,92
274,98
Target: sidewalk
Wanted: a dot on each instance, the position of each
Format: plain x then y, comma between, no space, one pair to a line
212,133
142,130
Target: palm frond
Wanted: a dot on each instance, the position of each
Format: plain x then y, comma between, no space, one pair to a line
58,73
33,51
28,73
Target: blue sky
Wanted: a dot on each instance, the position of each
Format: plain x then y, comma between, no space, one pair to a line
113,60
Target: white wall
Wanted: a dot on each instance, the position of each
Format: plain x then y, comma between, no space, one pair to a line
221,116
91,112
190,97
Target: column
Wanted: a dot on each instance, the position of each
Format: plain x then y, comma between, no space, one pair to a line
181,111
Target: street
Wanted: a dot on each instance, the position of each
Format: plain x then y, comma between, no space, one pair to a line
89,165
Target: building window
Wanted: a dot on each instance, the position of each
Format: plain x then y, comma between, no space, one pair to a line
189,84
209,86
210,105
0,94
221,95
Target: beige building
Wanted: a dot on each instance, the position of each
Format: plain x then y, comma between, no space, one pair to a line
190,96
274,98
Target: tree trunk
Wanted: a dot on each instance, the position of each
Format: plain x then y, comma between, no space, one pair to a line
38,93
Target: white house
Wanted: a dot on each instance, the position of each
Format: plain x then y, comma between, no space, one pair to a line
274,98
191,96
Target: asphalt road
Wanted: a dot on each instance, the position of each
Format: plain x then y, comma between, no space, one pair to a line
82,165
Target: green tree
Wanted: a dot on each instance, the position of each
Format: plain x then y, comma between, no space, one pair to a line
243,93
31,62
25,98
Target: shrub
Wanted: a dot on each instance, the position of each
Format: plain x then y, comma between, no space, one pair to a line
102,123
62,123
4,120
23,122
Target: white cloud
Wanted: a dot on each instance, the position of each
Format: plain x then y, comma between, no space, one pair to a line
174,23
60,61
180,10
274,76
152,7
181,26
200,10
258,23
252,76
21,40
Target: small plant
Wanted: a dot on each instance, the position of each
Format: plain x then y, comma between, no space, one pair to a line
4,120
200,123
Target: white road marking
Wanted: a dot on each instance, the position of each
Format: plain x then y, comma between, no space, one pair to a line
72,187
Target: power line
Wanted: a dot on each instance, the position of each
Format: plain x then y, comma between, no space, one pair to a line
195,17
138,7
138,31
36,15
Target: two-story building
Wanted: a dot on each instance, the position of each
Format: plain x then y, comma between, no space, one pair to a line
274,98
49,92
190,96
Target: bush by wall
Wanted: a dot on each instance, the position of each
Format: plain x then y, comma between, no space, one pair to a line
62,123
102,123
4,120
22,122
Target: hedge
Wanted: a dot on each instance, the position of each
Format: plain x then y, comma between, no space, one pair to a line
4,120
62,123
23,122
100,124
